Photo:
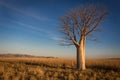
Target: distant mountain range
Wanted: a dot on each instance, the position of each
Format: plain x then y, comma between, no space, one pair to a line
23,55
32,56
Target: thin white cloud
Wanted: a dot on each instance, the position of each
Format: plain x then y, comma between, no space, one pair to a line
61,41
35,28
32,15
42,32
58,39
24,12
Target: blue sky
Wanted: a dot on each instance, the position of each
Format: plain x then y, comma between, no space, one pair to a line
31,27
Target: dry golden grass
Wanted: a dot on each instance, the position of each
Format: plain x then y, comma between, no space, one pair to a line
58,62
58,69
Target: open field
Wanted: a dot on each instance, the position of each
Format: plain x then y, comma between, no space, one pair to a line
58,69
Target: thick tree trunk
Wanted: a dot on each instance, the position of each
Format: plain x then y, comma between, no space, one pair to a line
81,54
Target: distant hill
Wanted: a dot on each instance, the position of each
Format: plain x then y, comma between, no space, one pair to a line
23,55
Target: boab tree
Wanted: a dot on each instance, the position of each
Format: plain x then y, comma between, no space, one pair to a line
77,24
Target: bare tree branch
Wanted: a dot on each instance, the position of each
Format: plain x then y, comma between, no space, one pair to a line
81,21
96,22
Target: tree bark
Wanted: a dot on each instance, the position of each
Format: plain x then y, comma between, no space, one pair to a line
81,54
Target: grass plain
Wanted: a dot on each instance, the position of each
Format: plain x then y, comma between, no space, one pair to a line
58,69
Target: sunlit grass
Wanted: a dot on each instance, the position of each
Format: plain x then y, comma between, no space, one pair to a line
58,69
